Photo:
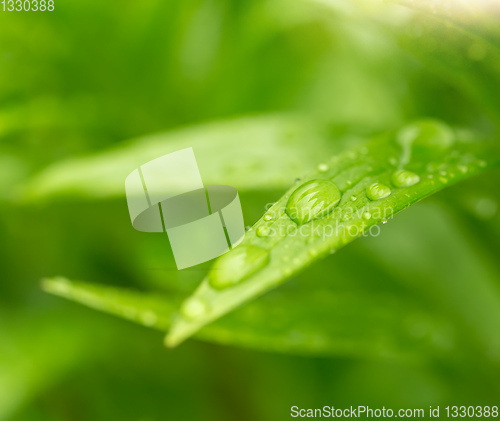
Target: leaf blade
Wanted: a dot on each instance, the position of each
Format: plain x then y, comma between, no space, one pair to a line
352,172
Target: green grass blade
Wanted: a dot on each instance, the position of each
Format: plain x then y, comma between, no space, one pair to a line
149,310
240,152
277,248
360,323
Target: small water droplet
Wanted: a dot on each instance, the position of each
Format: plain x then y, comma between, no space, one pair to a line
332,250
262,231
349,182
443,179
297,180
404,178
287,272
367,215
248,228
384,221
312,200
354,198
237,265
312,252
462,168
267,217
377,191
322,167
193,308
482,163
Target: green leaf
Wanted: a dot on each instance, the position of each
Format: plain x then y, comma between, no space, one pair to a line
241,152
323,321
146,309
438,155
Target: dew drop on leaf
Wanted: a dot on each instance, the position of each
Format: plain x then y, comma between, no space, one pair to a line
237,265
311,200
262,231
429,137
404,178
377,191
322,167
194,307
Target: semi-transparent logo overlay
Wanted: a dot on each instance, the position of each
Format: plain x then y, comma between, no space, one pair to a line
167,195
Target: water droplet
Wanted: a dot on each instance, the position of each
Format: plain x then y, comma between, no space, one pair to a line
404,178
482,164
462,168
367,215
384,221
311,200
193,308
312,252
262,231
237,265
287,272
424,137
349,182
297,180
354,198
332,250
443,179
322,167
248,228
377,191
267,217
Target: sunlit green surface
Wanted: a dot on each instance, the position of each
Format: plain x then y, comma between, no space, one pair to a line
266,92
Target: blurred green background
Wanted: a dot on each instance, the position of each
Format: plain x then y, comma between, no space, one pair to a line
263,89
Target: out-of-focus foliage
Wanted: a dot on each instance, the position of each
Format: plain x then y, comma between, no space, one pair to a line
262,89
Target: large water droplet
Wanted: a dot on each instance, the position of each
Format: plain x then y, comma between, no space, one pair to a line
377,191
237,265
311,200
424,137
404,178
